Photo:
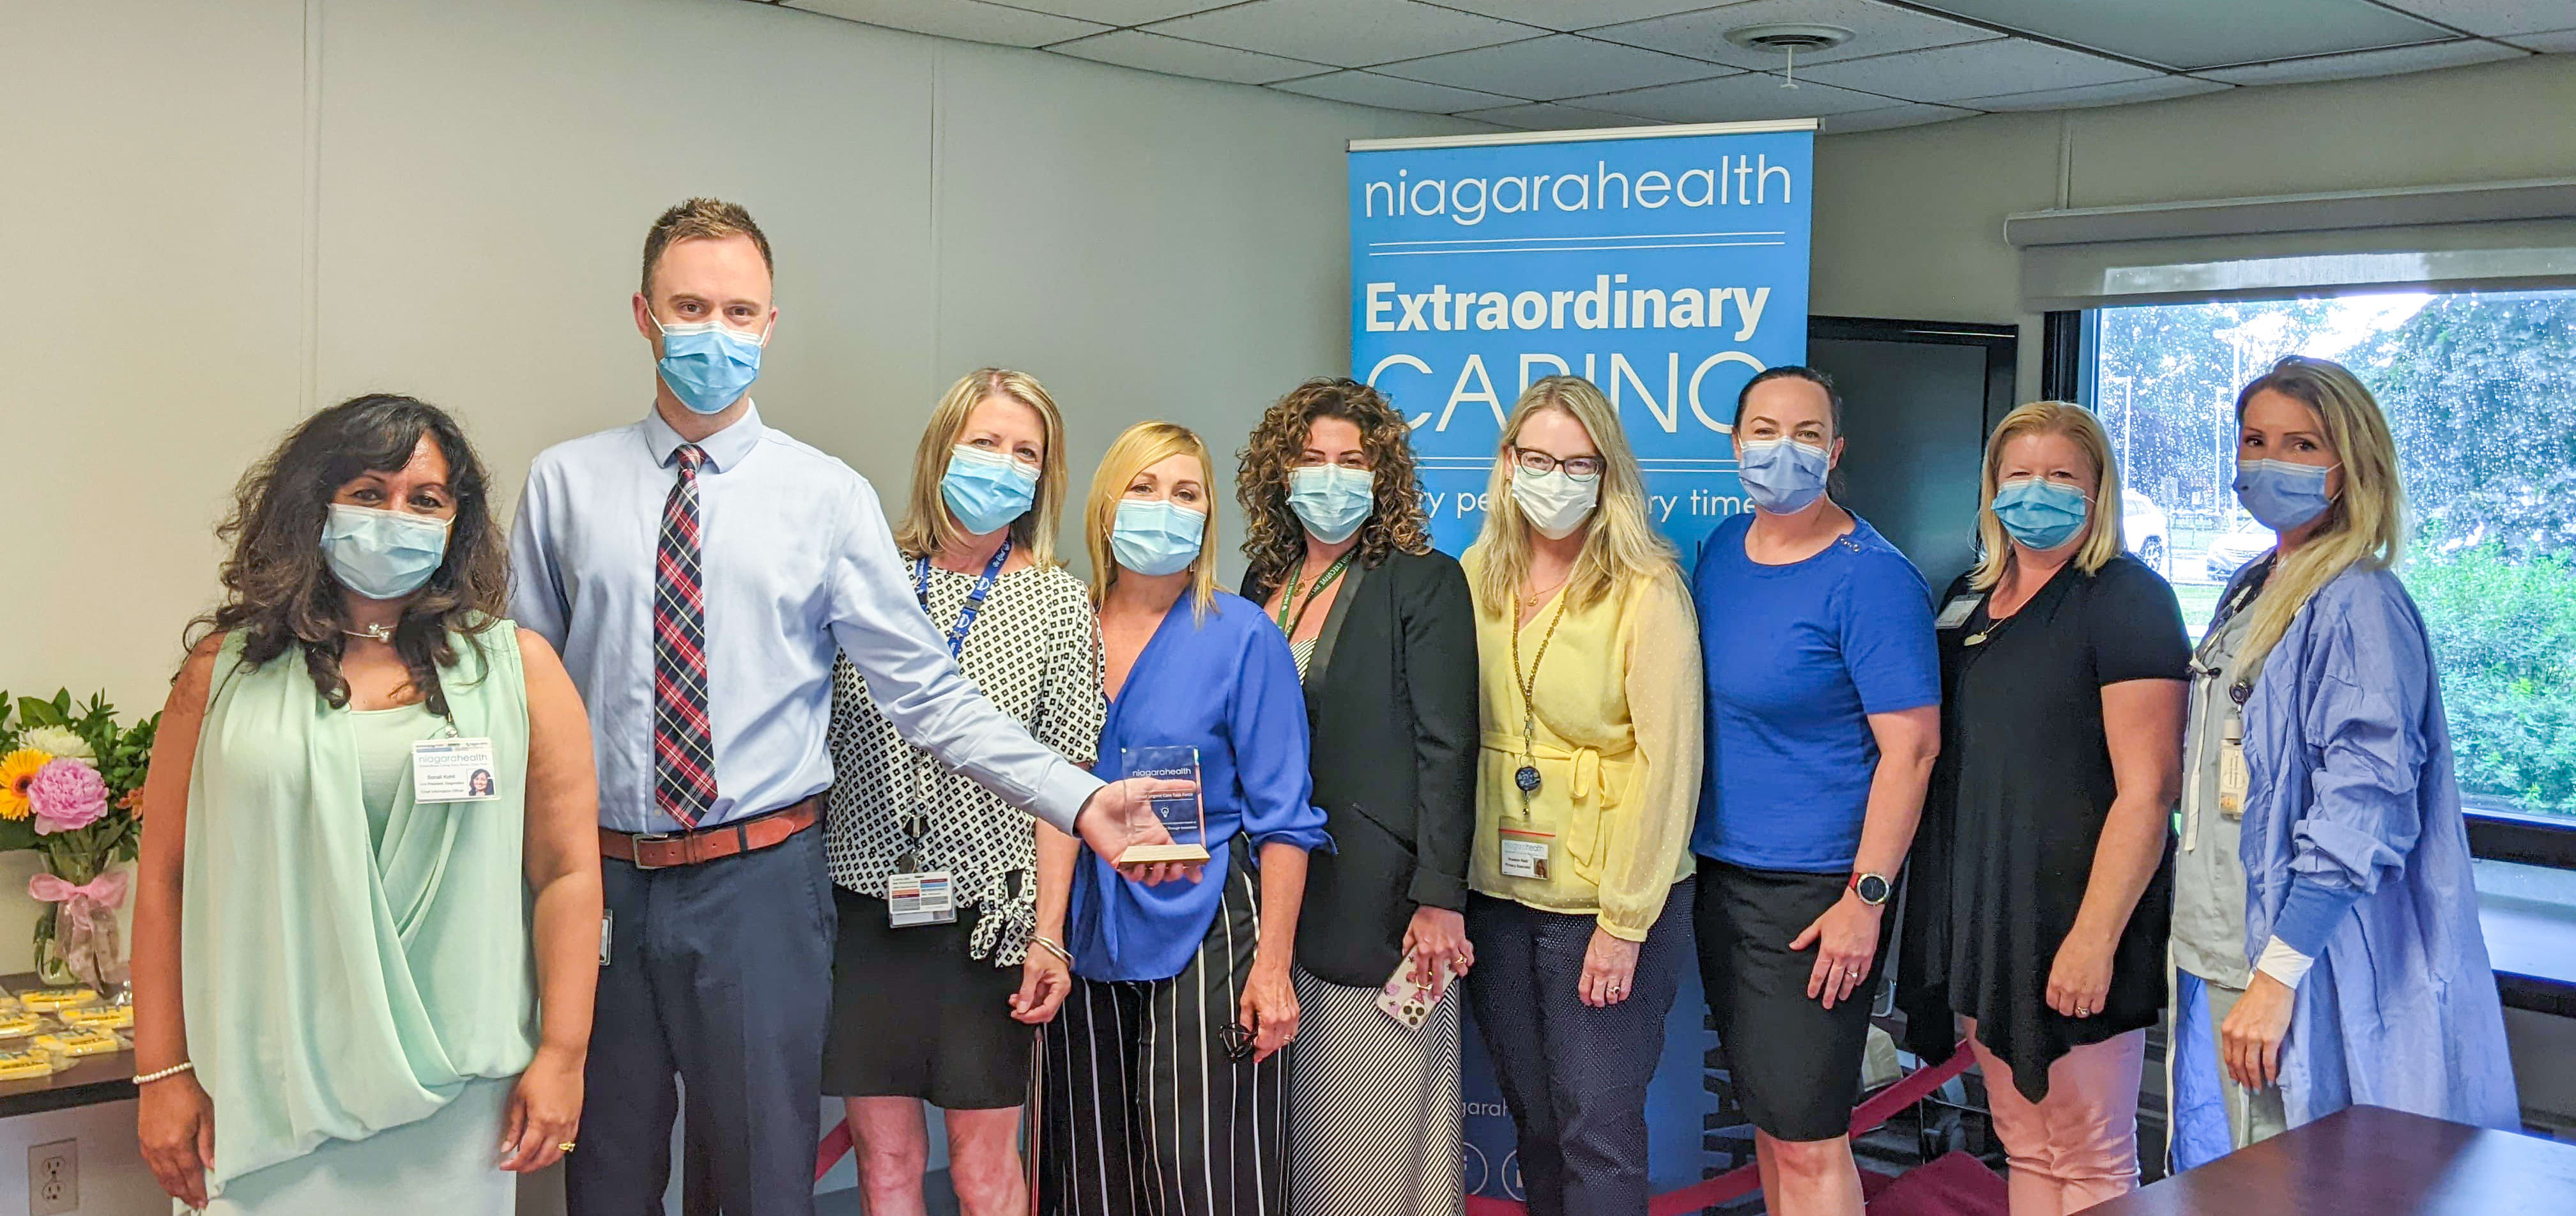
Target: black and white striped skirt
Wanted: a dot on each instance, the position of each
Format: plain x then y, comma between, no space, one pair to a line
1373,1109
1140,1110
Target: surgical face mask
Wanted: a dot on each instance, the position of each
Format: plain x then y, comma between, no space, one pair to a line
2281,495
1332,500
1554,503
1782,476
382,555
707,365
1153,537
2040,513
986,490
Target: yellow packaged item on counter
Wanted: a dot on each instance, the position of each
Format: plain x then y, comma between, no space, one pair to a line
46,999
25,1065
19,1024
96,1017
74,1042
10,1004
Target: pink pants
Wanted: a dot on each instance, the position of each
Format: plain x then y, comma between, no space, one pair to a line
2080,1146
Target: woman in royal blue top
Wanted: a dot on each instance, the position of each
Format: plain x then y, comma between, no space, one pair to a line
1162,1083
1824,691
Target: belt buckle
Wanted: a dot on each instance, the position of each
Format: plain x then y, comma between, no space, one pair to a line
641,839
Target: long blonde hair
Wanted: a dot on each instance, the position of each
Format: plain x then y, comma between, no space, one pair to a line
926,527
2103,534
1619,545
1137,449
2364,524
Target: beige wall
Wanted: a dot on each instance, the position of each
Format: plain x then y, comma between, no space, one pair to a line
1909,223
231,213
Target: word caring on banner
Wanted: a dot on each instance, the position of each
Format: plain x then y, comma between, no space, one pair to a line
1666,265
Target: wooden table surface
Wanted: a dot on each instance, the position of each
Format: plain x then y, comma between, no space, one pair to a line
90,1079
2372,1161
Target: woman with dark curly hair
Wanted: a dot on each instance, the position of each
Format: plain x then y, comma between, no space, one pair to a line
369,896
1385,639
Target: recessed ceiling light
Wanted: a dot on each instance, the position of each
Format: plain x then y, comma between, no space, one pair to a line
1788,39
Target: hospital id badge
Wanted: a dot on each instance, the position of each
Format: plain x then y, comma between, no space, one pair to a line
2232,777
455,770
926,898
1525,852
1958,612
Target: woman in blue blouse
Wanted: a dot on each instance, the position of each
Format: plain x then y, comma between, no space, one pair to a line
1162,1088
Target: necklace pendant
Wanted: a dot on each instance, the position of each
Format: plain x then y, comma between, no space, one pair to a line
379,632
1527,778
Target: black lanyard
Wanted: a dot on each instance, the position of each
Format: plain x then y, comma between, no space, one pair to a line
974,597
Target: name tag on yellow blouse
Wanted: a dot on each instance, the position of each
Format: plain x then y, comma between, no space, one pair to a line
1525,852
455,770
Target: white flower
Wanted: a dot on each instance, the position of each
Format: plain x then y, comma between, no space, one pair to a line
57,741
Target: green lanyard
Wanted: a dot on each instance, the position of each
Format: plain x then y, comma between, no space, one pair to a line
1332,573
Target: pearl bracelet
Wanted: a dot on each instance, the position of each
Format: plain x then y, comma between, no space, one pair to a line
166,1073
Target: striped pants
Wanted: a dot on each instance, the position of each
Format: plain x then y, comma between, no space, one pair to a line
1141,1112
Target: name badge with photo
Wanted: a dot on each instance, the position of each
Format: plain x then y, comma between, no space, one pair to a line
1958,612
926,898
1525,852
455,770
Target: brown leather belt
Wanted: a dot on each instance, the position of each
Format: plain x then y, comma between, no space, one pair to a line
663,850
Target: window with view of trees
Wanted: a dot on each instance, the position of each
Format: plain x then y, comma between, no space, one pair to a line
2480,388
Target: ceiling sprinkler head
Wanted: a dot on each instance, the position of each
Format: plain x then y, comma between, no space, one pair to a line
1788,39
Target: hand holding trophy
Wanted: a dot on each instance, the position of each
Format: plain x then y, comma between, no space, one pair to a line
1126,821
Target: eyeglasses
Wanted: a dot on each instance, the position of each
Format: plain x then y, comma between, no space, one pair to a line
1237,1041
1580,468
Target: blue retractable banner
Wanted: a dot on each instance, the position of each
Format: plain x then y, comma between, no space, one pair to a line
1665,264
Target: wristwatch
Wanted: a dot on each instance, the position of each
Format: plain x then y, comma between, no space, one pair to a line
1873,889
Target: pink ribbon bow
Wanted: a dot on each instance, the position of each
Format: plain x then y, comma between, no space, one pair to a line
81,902
86,934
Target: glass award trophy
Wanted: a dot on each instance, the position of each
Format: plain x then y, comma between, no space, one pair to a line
1183,816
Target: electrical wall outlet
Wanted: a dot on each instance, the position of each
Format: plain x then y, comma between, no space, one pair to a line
53,1178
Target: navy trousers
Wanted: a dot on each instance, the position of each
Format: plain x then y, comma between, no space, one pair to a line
719,975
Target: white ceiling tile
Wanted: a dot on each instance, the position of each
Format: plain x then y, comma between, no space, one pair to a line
2156,88
1744,98
971,20
1559,65
2556,42
2187,35
1876,30
1577,14
2368,63
1121,12
2494,16
1548,116
1347,33
1181,57
1912,114
1978,69
1389,93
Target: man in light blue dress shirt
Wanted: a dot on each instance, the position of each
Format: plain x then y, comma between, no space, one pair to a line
698,570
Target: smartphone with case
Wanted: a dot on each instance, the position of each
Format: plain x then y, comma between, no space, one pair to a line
1408,1002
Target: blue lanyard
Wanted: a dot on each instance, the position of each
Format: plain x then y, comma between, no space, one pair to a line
974,598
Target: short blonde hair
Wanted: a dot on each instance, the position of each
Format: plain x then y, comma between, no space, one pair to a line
1618,547
701,219
927,527
2104,536
1138,448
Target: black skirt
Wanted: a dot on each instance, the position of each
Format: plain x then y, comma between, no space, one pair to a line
914,1017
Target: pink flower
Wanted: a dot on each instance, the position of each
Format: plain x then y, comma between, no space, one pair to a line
67,795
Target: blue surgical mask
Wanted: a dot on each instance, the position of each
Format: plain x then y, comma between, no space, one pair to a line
986,490
382,555
2281,495
1154,537
1782,476
707,365
1332,500
2040,513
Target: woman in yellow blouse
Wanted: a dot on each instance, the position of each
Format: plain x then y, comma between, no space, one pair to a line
1586,790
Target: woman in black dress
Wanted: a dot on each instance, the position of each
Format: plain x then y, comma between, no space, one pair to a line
2042,886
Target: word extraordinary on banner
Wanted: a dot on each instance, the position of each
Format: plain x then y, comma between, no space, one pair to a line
1667,265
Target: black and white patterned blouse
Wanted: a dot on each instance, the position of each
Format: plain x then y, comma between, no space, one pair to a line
1034,650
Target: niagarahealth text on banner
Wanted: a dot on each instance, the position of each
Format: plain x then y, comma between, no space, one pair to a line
1665,264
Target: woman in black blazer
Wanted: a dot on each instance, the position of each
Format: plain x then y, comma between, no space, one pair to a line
1385,639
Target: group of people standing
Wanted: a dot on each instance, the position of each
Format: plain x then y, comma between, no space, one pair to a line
765,765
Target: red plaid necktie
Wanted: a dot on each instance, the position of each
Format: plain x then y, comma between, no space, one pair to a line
684,753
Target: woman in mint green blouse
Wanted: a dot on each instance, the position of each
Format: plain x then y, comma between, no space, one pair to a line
368,915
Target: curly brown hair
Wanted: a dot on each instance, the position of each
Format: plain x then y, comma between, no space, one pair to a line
1274,540
279,592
